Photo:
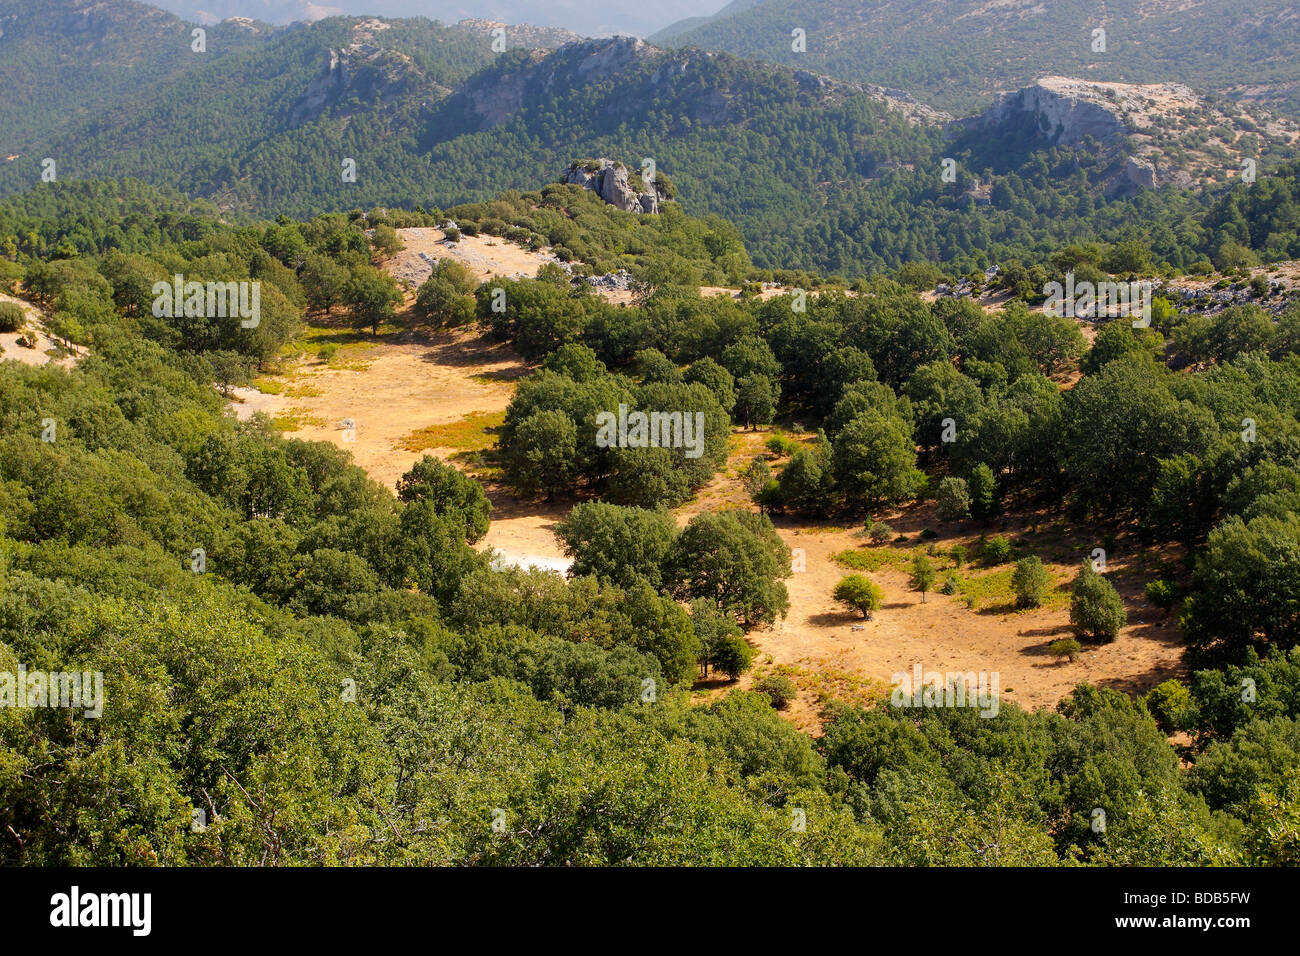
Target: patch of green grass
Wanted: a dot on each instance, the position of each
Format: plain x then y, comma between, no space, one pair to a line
992,591
269,386
829,684
875,558
471,433
294,419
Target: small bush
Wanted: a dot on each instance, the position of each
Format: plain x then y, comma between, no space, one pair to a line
880,533
996,550
928,534
951,585
12,317
778,689
1065,647
1031,582
958,554
781,446
1162,593
327,352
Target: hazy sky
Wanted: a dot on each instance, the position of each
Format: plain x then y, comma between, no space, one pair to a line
587,17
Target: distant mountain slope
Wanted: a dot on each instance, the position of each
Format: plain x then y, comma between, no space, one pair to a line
62,61
956,53
582,16
695,22
1160,132
79,67
817,173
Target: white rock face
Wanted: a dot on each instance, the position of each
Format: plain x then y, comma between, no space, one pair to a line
609,180
1068,111
1156,133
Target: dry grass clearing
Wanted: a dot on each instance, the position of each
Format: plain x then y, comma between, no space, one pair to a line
446,393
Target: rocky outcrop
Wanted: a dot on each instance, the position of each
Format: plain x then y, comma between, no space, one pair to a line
518,35
1150,134
324,87
363,71
1066,112
1140,173
610,181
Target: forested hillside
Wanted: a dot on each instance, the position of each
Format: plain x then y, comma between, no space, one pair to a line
955,53
63,63
321,670
816,174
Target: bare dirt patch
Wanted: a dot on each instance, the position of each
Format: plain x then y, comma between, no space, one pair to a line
485,256
403,386
48,351
829,651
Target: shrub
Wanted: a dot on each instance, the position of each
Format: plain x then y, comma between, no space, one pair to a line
996,550
928,534
781,446
12,317
732,655
1030,582
859,592
880,533
778,689
958,554
1096,612
1162,593
1064,647
327,352
950,585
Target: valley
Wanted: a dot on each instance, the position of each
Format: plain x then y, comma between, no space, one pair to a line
624,447
454,386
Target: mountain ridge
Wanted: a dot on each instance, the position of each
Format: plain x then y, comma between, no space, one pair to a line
956,52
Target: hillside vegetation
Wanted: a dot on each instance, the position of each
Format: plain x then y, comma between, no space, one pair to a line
954,53
816,174
330,673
